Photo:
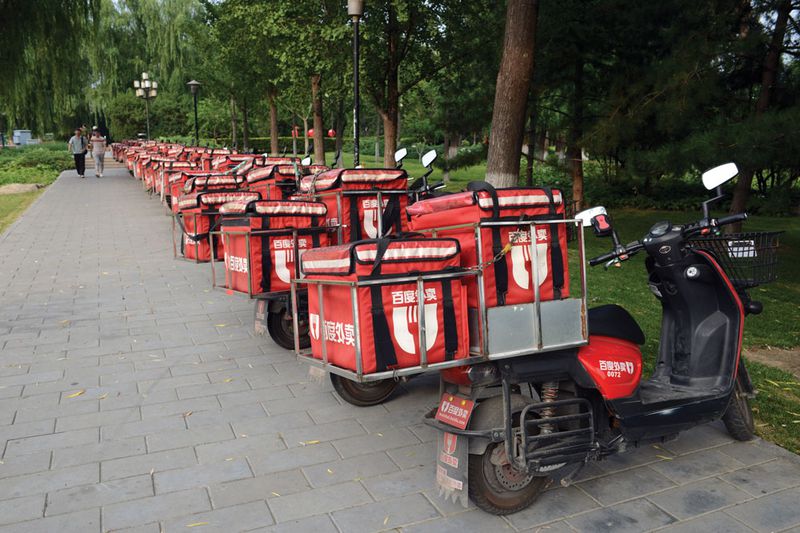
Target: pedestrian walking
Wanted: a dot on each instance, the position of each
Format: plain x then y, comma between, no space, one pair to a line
97,145
77,146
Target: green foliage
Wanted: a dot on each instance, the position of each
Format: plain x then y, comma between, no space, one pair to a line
34,164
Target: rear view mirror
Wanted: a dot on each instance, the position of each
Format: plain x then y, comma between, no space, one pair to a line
400,155
716,176
587,215
305,161
428,158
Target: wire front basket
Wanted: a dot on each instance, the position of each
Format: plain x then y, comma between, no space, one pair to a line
750,259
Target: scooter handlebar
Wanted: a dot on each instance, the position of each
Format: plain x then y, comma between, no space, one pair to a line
730,219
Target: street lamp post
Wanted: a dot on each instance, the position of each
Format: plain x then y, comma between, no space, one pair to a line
355,9
194,86
146,89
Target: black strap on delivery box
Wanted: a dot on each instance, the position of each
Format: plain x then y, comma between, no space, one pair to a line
555,249
500,264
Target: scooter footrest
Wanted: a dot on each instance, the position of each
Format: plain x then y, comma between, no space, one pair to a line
557,432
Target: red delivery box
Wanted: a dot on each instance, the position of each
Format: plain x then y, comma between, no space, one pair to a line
388,321
259,240
508,276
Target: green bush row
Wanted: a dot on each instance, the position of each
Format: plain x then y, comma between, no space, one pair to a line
34,164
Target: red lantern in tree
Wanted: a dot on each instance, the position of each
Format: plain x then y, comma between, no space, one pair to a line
311,132
331,133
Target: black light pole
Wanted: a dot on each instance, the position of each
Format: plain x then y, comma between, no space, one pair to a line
146,89
355,9
194,86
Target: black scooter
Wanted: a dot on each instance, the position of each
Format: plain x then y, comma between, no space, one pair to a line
510,426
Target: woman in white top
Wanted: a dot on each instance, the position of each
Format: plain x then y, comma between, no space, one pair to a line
98,147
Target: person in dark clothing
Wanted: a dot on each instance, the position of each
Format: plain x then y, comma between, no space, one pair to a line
77,146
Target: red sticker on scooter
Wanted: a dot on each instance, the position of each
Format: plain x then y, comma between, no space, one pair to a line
454,411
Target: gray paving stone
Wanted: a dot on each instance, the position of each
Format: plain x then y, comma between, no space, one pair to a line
258,488
38,483
221,416
167,440
318,501
163,506
375,442
718,521
238,448
41,412
102,451
179,407
626,485
25,464
293,458
400,483
697,498
770,513
21,509
98,494
321,432
155,426
633,516
52,441
243,517
474,520
201,475
383,515
144,464
89,420
697,465
317,524
357,468
553,505
422,454
81,522
271,425
212,389
768,477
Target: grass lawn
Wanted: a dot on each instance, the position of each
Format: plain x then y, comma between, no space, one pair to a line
13,205
777,405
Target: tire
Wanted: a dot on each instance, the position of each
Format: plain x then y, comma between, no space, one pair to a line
363,394
501,490
281,329
738,417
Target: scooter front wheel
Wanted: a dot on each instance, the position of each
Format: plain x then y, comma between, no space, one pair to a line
497,487
363,394
281,328
738,418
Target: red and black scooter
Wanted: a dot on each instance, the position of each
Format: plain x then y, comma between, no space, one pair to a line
511,426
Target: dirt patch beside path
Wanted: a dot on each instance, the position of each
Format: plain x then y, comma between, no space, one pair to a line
788,360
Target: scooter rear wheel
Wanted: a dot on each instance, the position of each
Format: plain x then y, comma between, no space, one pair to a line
363,394
738,418
501,489
281,329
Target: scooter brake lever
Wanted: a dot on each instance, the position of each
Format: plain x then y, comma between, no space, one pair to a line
614,262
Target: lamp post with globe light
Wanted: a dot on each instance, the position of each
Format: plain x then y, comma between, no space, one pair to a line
146,89
355,10
194,86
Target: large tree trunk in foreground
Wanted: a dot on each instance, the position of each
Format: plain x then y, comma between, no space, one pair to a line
319,131
511,94
769,74
273,123
389,113
234,124
574,148
530,155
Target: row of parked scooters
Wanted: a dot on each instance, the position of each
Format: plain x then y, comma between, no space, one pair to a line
374,280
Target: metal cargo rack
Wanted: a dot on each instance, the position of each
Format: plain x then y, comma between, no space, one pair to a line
495,332
177,221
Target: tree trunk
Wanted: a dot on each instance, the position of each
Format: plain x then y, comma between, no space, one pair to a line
319,131
305,135
451,143
574,148
530,155
245,128
234,125
389,113
769,74
273,123
511,93
377,136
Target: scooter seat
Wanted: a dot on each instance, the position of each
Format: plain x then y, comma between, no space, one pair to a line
613,321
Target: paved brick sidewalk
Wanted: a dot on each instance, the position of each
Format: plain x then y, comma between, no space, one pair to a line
131,396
